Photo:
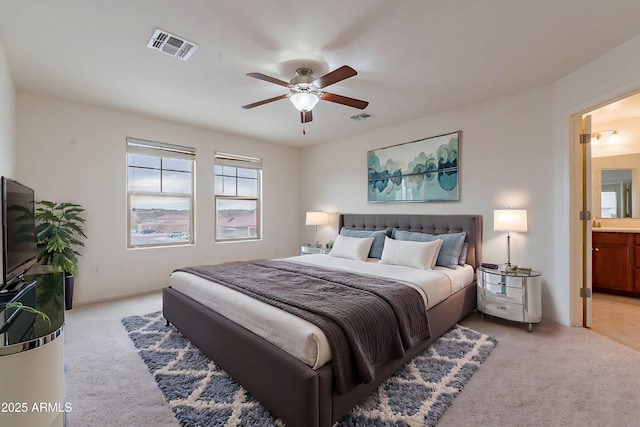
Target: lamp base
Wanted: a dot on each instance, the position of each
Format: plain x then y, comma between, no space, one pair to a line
510,268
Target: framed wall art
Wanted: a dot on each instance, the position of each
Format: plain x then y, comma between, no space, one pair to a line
425,170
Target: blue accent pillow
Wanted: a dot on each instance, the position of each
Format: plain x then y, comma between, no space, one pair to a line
450,251
378,239
463,254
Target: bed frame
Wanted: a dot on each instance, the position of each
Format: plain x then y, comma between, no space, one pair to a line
290,389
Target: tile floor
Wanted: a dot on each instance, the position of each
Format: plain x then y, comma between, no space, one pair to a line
617,317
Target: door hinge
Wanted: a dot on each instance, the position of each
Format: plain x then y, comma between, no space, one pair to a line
585,138
585,215
585,293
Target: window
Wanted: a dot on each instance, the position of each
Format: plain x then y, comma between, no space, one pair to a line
609,204
237,182
159,193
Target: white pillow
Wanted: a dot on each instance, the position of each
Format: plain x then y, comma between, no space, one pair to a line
351,247
421,255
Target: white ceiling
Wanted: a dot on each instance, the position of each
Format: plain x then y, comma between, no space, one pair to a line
625,108
414,57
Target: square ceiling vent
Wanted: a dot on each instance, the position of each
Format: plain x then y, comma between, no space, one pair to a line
171,44
361,116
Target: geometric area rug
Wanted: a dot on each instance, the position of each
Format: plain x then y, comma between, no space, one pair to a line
202,394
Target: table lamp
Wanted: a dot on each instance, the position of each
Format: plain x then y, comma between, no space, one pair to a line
316,219
509,220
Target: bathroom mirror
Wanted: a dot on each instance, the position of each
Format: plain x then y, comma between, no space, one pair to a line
616,177
617,193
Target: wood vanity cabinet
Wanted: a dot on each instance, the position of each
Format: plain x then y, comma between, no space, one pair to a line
637,264
616,263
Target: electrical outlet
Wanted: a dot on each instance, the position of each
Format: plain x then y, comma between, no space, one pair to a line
97,270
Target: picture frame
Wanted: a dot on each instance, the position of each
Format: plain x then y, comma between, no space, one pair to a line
424,170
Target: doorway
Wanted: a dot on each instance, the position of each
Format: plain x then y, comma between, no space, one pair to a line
615,165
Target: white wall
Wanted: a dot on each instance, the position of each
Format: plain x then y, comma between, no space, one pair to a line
503,158
7,119
520,150
74,152
7,123
591,86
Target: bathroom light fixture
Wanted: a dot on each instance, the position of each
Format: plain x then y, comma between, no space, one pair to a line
316,219
509,220
614,137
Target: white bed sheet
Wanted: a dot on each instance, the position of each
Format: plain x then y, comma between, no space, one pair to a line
297,336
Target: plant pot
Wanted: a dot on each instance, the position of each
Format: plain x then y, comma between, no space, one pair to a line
68,291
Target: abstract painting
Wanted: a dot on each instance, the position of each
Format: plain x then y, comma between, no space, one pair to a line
425,170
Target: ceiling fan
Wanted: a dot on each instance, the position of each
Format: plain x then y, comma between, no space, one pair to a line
305,90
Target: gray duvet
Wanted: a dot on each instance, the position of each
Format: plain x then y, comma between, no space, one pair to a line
368,321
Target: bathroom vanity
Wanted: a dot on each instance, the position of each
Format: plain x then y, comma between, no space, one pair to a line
616,261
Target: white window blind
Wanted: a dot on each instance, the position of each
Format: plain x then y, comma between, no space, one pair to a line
233,160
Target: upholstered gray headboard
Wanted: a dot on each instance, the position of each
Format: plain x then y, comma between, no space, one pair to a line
431,224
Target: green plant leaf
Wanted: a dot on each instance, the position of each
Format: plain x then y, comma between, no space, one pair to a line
59,232
19,305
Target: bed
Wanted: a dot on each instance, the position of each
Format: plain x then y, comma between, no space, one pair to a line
294,391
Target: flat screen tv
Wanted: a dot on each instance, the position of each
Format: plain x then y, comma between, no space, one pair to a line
19,252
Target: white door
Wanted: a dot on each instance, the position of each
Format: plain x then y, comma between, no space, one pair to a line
586,223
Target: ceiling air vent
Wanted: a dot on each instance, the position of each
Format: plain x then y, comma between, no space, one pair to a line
165,42
361,116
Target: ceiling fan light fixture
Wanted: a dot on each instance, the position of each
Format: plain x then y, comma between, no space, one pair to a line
305,91
304,101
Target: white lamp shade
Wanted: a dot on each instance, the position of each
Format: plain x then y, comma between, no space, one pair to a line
304,101
510,220
316,218
614,138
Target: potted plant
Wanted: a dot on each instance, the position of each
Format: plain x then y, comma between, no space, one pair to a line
58,231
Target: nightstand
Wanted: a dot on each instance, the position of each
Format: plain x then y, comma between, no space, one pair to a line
307,249
513,296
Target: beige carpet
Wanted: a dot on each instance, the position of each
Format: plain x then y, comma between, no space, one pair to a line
555,376
106,382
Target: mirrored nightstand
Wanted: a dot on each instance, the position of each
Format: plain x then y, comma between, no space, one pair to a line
308,249
513,296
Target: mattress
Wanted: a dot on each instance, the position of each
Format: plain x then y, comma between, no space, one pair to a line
299,337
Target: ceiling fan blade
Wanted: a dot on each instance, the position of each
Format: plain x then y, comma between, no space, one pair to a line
266,78
266,101
306,117
344,100
335,76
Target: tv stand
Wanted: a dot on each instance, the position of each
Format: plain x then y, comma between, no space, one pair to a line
32,348
18,324
10,291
